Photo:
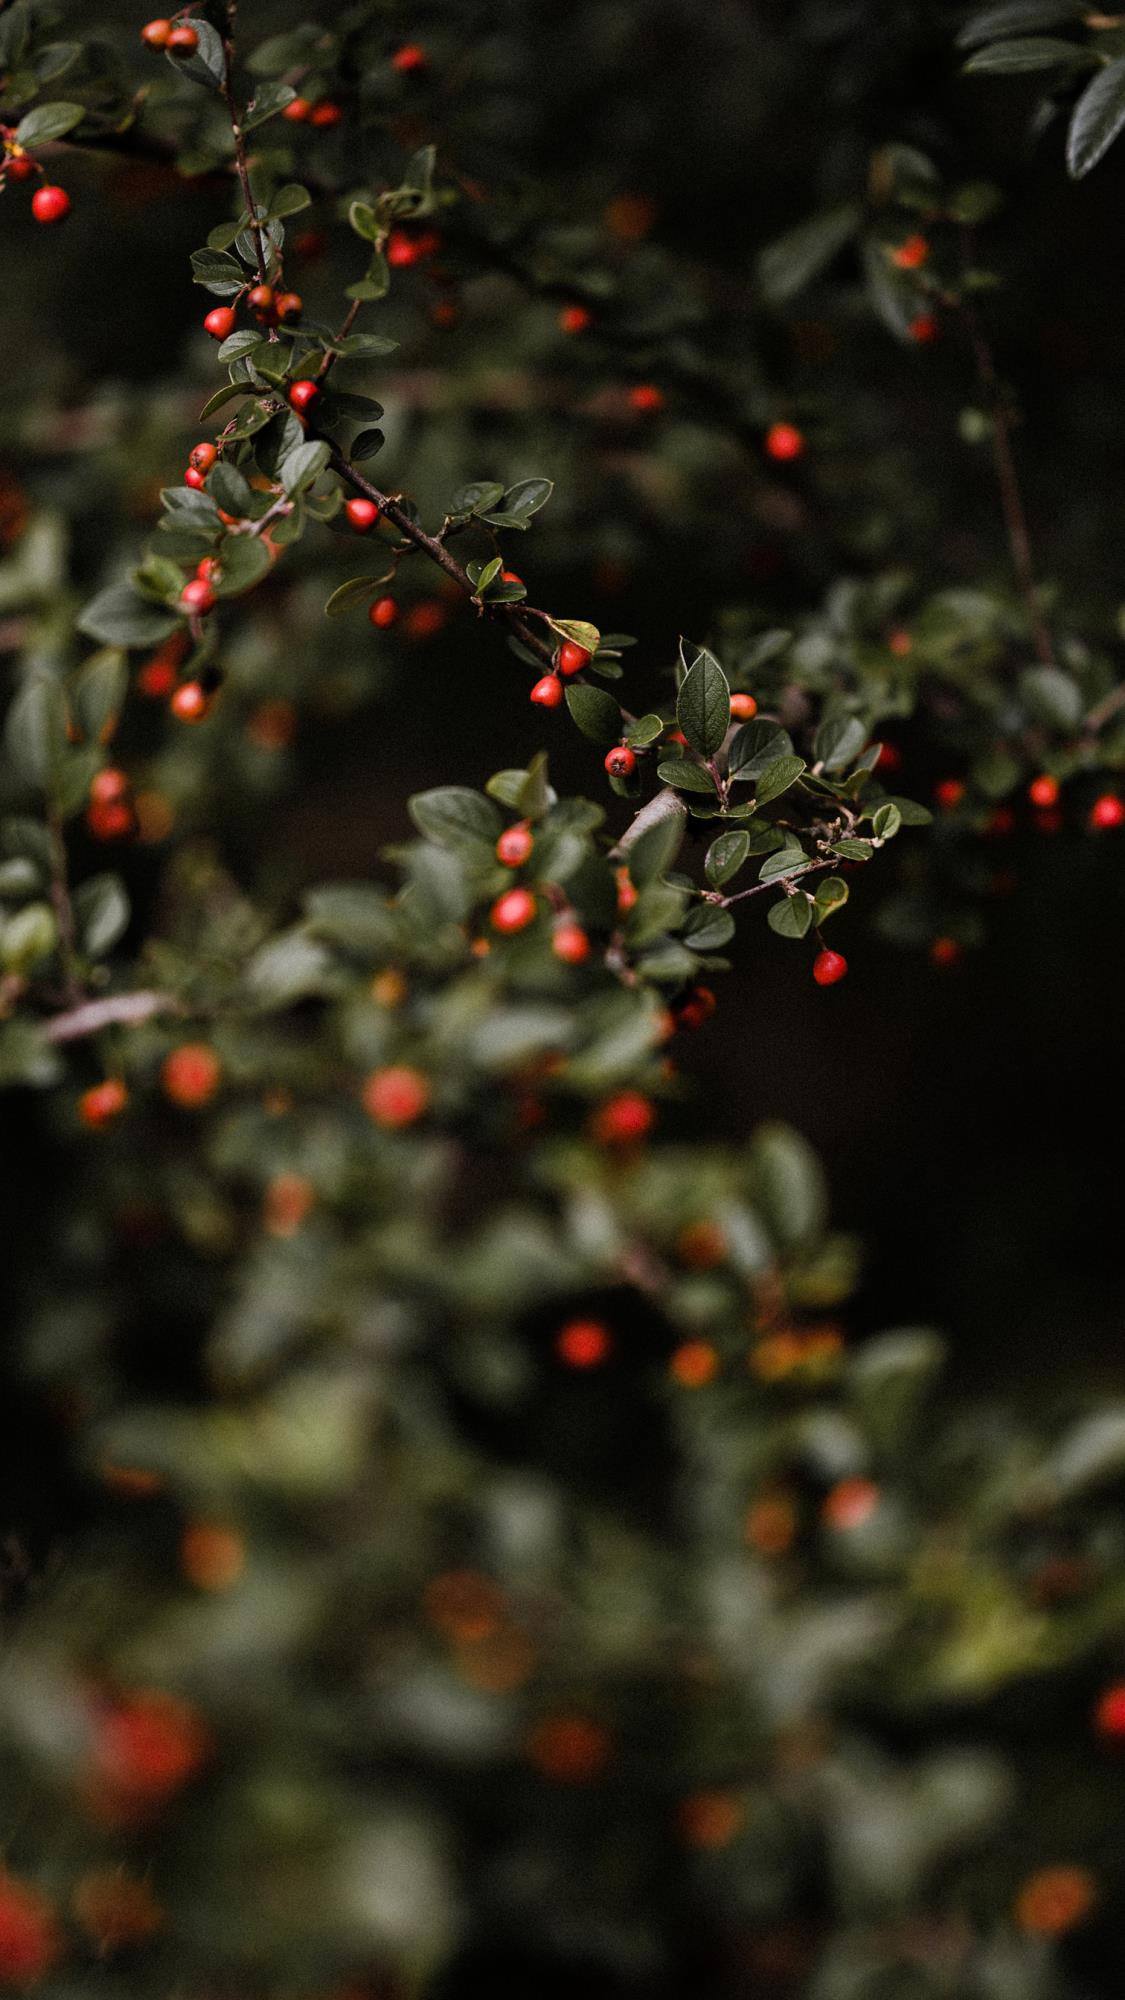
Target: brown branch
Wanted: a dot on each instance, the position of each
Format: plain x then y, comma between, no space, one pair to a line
240,164
776,882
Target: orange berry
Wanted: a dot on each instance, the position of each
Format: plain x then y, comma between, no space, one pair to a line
693,1364
396,1096
743,707
1044,790
583,1343
1053,1900
911,254
771,1525
103,1102
849,1504
701,1245
569,1749
570,944
190,1075
383,613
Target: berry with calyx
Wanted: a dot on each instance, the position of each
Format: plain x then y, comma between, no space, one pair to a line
202,457
303,394
396,1096
646,399
297,110
260,299
570,944
583,1343
183,40
743,707
220,322
784,442
1106,813
829,967
575,319
289,305
548,692
515,845
363,515
623,1120
383,612
191,702
156,33
572,658
102,1103
513,911
911,254
621,762
410,59
325,115
197,597
50,204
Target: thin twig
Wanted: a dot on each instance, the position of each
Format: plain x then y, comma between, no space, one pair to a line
238,136
114,1010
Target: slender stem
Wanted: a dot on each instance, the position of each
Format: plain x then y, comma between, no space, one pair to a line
89,1017
349,321
1105,711
240,165
63,907
775,882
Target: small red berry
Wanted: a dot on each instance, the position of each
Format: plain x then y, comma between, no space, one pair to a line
404,249
646,399
513,911
695,1008
583,1343
209,567
303,394
102,1103
575,319
50,204
156,34
197,597
945,952
621,762
425,620
444,314
510,576
1109,1714
396,1096
363,515
203,457
1106,813
115,821
548,692
194,479
743,707
183,41
515,845
923,329
297,110
889,758
30,1939
572,658
623,1120
784,442
1044,790
410,59
900,643
108,786
260,298
949,793
383,612
191,702
220,322
289,305
829,967
326,114
18,167
190,1075
570,944
910,255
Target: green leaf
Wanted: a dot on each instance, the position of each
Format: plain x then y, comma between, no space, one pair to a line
245,561
686,776
831,895
787,265
853,850
452,815
645,730
838,741
304,465
792,917
1052,697
35,732
476,498
788,860
757,745
913,814
218,272
1016,17
289,200
725,856
708,928
97,692
120,616
206,64
365,445
526,498
101,910
351,914
266,103
48,121
703,703
653,851
229,393
1032,52
230,491
579,631
1097,119
886,821
597,714
777,778
356,590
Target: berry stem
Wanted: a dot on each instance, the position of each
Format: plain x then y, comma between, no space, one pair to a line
240,164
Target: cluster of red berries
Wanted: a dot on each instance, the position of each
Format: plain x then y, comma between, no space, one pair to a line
570,659
110,814
269,306
48,203
514,910
324,115
178,37
405,247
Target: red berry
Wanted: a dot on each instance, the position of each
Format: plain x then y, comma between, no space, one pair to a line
183,41
410,59
108,786
623,1120
829,967
923,328
30,1941
194,479
260,298
403,248
289,305
1044,790
575,319
209,567
363,515
103,1102
303,394
944,952
515,844
1109,1714
156,34
1107,813
190,703
695,1008
148,1746
425,620
889,758
572,658
50,204
784,442
326,114
570,944
396,1096
197,597
203,457
383,612
114,821
548,692
220,322
949,793
509,576
911,255
621,762
646,399
18,167
190,1075
297,110
583,1343
743,707
513,911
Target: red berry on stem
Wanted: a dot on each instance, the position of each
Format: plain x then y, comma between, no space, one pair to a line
326,114
570,944
949,793
363,515
50,204
30,1940
945,952
156,33
410,59
575,319
829,967
910,255
513,911
1106,813
583,1343
515,845
260,298
190,1075
396,1096
572,657
289,305
923,329
18,167
114,821
197,597
297,110
1109,1714
183,40
548,692
108,786
303,394
784,442
203,457
383,612
103,1102
646,399
1044,790
743,707
220,322
623,1120
621,762
190,703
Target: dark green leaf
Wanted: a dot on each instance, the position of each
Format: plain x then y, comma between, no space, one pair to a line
1033,52
791,917
120,616
786,266
597,714
703,703
1097,119
48,121
726,856
452,814
777,778
686,776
